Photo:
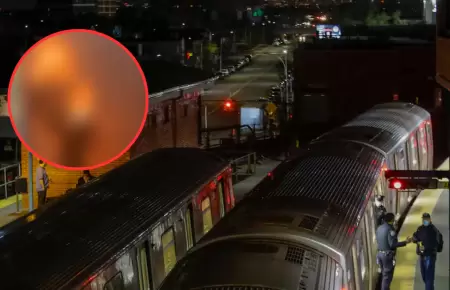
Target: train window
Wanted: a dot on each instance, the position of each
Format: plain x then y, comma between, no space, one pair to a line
169,252
188,227
115,283
143,266
207,216
221,192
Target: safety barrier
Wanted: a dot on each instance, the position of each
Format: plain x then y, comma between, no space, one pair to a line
243,167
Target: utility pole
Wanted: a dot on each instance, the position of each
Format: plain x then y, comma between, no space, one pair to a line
220,56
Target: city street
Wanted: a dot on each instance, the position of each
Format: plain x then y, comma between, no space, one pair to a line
245,86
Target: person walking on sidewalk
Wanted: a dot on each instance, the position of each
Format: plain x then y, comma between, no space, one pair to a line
42,183
429,242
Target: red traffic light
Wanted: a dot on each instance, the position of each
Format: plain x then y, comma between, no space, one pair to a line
228,105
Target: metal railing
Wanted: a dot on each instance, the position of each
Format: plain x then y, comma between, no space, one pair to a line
8,175
243,167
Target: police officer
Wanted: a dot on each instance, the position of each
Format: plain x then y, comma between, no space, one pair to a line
380,210
387,244
429,242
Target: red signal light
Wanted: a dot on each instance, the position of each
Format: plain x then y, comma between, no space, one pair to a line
396,184
228,106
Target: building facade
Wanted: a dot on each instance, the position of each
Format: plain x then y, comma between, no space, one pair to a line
173,121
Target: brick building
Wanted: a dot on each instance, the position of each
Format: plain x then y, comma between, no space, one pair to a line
173,121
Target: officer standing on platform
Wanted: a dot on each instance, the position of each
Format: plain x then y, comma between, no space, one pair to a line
387,244
429,242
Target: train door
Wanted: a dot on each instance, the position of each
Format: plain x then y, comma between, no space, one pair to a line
423,147
414,164
188,227
221,194
143,266
400,164
429,134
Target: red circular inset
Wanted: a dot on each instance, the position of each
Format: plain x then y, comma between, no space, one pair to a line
78,99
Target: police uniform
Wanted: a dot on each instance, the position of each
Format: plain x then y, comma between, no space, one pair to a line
429,242
387,244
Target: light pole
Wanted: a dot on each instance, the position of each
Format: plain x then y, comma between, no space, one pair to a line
285,65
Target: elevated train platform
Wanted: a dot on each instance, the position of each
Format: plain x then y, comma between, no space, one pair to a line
407,271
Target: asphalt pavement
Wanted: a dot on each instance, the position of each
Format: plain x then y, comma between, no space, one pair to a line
244,87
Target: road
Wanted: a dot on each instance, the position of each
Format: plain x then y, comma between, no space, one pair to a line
245,86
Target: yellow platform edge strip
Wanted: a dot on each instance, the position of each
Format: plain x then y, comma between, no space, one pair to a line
406,260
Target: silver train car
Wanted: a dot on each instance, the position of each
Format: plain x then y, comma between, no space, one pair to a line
310,224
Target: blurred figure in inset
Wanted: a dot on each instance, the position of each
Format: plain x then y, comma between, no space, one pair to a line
87,177
429,242
42,183
380,210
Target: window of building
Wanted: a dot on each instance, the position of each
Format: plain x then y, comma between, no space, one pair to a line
207,216
153,120
166,115
169,251
185,110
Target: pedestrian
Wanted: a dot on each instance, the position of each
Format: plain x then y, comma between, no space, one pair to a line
85,178
42,183
429,242
387,241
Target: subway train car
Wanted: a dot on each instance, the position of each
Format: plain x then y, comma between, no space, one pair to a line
125,230
310,224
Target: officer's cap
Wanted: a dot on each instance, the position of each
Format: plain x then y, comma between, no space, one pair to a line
426,215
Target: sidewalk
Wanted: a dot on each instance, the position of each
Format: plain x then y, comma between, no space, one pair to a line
243,187
407,270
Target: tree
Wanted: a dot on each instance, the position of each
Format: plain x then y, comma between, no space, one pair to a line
396,20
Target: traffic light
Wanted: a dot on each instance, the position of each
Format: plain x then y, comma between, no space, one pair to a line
228,105
412,183
189,55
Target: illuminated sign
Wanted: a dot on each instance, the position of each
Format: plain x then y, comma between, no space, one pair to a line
325,31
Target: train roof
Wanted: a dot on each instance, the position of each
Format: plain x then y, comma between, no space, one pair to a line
384,127
62,243
337,179
318,198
